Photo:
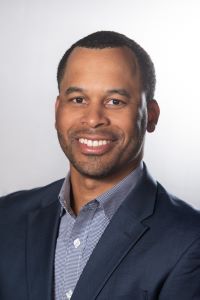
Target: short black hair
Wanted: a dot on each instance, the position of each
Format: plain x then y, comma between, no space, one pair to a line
111,39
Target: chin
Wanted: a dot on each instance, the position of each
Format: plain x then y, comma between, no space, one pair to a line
95,172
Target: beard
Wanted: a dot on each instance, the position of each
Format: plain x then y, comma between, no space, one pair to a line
101,166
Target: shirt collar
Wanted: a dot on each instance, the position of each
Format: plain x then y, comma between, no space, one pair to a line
110,200
113,198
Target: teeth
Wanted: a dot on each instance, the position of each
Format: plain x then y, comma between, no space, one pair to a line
81,141
92,143
89,143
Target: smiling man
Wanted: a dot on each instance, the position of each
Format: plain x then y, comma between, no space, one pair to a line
101,118
108,231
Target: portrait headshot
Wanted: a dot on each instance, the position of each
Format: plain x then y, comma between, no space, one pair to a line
99,193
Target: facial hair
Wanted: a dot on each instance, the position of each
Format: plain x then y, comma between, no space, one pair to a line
98,166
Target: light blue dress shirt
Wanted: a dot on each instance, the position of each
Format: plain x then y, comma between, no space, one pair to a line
78,235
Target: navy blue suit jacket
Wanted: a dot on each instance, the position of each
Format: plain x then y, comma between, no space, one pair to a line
149,251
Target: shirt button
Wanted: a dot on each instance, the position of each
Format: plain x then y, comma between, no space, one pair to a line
69,294
77,243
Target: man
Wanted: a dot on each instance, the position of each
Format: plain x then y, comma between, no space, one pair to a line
108,231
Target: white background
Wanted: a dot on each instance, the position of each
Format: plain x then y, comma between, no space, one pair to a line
35,34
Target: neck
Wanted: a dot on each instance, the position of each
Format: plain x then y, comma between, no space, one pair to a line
84,189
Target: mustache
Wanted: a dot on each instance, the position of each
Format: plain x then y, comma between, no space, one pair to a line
105,133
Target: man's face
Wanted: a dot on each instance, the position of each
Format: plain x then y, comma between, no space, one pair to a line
101,112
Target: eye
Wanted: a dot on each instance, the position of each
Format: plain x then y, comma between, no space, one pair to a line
115,102
79,100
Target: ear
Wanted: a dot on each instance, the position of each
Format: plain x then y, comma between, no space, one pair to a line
153,112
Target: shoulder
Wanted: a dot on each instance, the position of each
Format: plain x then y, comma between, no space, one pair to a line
31,199
178,224
179,216
174,204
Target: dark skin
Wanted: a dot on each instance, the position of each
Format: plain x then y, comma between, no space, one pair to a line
101,118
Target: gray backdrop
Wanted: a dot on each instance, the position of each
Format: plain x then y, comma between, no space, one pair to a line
35,34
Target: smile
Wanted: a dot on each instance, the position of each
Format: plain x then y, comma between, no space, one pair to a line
93,143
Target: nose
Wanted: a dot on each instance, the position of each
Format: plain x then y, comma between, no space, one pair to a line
95,116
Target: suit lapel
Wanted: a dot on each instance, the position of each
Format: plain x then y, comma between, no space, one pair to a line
41,241
123,232
111,249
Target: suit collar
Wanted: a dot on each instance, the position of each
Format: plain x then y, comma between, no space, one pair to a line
122,233
141,202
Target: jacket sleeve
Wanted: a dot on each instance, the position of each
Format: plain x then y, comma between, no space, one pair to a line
184,280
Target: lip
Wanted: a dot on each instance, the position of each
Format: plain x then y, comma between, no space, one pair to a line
95,150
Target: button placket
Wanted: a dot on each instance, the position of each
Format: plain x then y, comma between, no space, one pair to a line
77,243
69,294
75,249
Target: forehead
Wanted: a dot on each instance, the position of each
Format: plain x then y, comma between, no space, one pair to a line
112,56
102,65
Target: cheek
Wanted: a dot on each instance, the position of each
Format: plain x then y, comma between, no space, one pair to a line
63,120
128,124
133,126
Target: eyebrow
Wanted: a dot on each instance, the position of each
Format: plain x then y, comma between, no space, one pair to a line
74,89
121,92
